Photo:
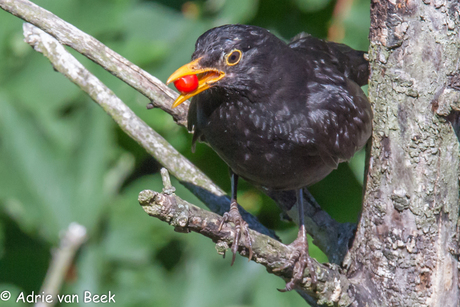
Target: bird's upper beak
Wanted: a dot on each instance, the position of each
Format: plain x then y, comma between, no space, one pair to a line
207,76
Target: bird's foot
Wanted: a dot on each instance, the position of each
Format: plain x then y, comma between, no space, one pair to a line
298,261
241,227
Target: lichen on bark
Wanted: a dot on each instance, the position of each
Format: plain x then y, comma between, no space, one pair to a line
406,244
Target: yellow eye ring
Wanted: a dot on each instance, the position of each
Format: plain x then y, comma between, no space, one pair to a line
233,57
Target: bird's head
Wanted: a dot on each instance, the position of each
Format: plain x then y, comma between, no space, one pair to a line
234,57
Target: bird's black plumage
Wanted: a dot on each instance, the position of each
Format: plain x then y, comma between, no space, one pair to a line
282,116
286,114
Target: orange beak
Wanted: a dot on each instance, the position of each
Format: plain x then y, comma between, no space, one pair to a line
207,76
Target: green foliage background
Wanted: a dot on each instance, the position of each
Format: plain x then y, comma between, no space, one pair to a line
62,159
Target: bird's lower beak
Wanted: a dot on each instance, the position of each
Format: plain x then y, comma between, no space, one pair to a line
207,76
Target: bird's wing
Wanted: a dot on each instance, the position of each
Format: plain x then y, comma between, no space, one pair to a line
338,122
352,63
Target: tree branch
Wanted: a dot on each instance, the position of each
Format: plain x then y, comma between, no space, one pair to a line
71,241
332,288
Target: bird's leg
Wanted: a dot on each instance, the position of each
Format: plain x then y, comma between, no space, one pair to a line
300,259
234,216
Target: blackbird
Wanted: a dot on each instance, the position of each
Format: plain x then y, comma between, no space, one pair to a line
281,115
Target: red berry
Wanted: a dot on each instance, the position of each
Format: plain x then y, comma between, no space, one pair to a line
186,84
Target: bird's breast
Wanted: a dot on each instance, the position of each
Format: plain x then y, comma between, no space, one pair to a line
257,142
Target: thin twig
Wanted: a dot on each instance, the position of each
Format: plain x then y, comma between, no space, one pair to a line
71,241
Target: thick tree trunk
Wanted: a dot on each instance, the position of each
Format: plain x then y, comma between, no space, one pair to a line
406,248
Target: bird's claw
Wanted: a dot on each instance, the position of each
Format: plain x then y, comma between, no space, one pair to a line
234,216
298,261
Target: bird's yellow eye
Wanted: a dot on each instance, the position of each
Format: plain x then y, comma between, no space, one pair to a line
233,57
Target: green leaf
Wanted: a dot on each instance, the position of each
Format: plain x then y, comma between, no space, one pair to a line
40,196
88,168
48,188
126,214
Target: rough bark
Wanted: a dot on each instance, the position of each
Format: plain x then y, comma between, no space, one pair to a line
406,248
